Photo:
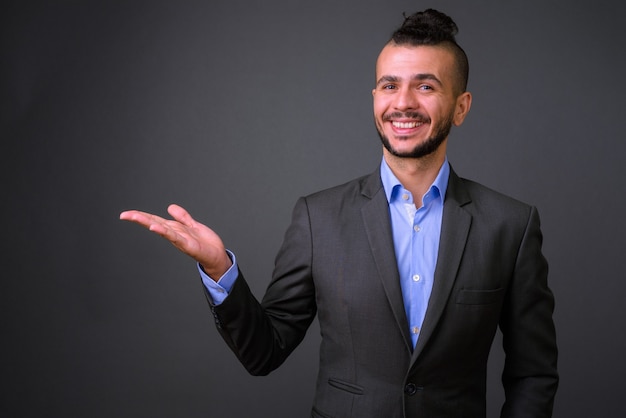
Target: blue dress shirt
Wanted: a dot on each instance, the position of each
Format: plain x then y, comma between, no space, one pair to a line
220,289
416,233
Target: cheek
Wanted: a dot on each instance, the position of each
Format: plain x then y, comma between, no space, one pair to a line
380,107
438,112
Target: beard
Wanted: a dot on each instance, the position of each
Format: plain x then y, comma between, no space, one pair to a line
440,132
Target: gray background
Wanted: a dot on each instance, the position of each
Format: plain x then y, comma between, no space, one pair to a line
235,108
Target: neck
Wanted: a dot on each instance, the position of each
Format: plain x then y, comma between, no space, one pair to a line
415,174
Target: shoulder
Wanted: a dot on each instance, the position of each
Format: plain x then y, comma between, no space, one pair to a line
341,203
481,193
483,202
364,187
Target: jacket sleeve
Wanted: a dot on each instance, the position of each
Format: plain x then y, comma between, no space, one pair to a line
530,372
262,335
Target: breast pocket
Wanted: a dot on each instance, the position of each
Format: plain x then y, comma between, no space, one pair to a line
479,297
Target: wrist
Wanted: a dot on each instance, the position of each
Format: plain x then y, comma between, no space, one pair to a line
217,269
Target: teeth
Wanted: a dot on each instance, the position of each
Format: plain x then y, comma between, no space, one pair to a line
406,125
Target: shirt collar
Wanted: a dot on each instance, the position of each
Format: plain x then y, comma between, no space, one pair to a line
391,182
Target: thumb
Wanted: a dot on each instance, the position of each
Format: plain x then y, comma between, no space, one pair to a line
180,214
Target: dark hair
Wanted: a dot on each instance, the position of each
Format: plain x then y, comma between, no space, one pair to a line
432,28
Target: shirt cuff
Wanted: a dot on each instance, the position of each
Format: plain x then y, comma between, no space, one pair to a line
218,291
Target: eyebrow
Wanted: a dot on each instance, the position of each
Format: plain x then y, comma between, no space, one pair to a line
415,77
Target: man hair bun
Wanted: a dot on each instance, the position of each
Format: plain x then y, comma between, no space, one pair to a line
429,27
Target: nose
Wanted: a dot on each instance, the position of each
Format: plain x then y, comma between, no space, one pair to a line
406,99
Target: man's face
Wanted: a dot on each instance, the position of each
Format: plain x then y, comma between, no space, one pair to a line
415,99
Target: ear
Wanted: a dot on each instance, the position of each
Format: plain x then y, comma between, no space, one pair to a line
463,104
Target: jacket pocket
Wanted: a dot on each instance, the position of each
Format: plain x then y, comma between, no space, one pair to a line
346,386
317,414
479,297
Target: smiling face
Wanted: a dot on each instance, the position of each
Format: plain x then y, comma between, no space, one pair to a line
417,100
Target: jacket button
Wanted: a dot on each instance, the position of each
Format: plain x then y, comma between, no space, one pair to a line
410,389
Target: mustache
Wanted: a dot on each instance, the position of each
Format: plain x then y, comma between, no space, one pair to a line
420,117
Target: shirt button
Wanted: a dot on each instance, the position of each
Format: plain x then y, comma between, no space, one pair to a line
416,278
416,228
405,197
415,330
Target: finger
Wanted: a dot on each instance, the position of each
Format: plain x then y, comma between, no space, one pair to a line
181,215
142,218
127,215
171,230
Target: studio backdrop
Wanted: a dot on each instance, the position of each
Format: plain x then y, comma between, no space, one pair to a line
234,109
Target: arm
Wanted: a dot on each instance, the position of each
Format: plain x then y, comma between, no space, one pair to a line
530,373
262,335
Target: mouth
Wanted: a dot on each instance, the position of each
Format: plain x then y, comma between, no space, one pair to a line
403,129
406,125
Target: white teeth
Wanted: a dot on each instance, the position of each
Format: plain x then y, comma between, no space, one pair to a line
406,125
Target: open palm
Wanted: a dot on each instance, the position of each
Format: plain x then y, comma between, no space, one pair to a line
189,236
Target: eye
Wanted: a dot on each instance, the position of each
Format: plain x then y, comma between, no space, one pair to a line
389,87
425,87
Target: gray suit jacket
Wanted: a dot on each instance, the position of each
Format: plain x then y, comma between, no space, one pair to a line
338,261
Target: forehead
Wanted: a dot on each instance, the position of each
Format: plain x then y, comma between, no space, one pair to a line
404,61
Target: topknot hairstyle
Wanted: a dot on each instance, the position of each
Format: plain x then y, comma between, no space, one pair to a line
432,28
429,27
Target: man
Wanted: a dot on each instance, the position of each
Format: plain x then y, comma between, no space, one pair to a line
410,269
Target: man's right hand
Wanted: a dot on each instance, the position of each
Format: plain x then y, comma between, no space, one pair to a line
192,238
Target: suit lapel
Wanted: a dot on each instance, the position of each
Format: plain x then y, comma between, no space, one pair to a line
455,226
377,223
